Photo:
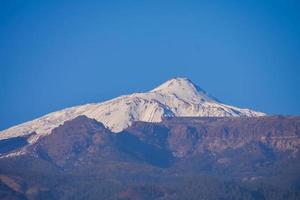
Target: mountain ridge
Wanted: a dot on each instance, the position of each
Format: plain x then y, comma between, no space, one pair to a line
260,155
177,97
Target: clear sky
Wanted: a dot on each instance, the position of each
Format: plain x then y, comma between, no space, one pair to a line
56,54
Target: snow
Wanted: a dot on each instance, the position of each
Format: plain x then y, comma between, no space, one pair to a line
176,97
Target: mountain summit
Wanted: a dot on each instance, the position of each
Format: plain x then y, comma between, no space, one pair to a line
177,97
184,89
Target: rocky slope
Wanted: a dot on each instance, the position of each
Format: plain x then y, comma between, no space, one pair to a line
178,158
190,136
173,138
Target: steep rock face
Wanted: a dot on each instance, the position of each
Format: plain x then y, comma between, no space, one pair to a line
178,97
191,136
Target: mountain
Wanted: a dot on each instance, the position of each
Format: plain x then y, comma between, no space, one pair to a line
177,158
83,140
190,136
178,97
86,140
173,142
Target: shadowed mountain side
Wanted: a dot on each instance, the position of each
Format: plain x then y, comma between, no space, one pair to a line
146,152
83,141
11,144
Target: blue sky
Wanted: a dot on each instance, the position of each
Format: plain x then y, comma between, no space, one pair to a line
55,54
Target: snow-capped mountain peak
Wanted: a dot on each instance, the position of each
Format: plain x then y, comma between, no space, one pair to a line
176,84
176,97
184,89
